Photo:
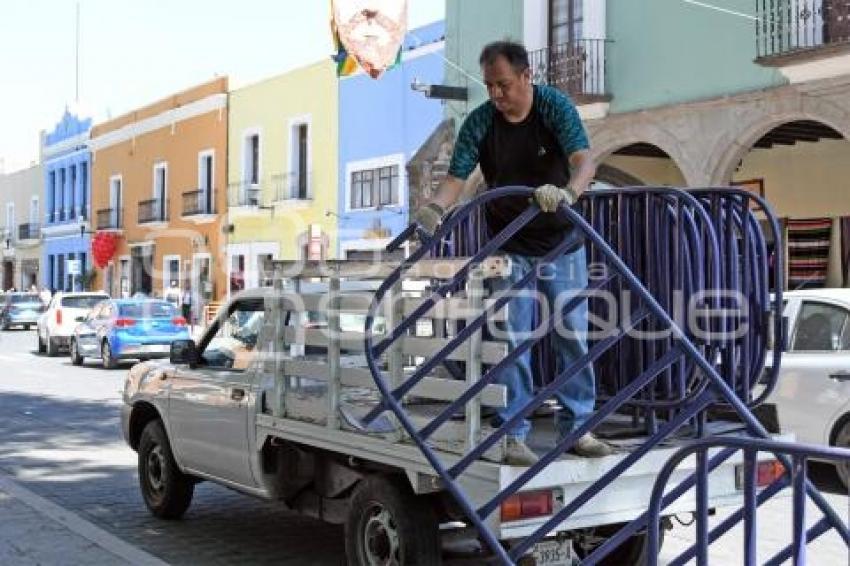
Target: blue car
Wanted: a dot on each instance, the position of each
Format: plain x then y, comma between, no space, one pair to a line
118,329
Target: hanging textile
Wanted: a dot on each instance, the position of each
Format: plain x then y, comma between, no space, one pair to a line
808,252
844,226
368,33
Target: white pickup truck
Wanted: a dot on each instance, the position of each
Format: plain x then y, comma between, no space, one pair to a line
268,403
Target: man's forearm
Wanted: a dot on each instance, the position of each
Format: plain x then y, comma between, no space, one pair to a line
583,171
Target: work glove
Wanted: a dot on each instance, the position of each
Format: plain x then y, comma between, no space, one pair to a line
429,217
548,197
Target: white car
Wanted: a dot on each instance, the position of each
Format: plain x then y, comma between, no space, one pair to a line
813,393
63,314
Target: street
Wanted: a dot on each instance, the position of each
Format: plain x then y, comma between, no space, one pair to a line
62,445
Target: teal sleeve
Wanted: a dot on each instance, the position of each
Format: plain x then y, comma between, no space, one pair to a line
561,117
466,151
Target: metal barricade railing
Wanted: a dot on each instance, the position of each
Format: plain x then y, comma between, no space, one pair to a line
794,458
702,386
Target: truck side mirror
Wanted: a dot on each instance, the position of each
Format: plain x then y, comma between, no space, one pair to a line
183,352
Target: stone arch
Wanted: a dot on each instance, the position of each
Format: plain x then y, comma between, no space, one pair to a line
607,140
732,148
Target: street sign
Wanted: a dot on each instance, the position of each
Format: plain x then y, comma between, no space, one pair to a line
72,266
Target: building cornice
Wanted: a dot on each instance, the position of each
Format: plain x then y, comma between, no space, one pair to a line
69,145
163,120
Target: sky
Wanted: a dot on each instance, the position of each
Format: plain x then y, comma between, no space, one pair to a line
134,52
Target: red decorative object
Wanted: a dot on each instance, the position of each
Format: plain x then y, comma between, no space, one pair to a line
103,246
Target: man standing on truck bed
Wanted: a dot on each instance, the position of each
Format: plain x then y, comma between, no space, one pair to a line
529,135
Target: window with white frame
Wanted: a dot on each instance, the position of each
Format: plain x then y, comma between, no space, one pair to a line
374,187
160,189
10,220
206,166
252,159
299,163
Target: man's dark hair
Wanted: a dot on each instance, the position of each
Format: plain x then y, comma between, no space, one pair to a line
515,54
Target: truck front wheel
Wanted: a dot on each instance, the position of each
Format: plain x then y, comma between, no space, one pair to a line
166,490
388,524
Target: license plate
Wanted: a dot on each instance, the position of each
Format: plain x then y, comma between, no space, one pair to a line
554,553
155,348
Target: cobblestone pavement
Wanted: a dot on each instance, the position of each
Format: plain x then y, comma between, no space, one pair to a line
59,426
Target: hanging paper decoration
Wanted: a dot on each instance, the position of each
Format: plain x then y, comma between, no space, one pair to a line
368,33
103,246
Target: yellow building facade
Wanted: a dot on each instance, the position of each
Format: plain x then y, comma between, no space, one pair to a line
282,172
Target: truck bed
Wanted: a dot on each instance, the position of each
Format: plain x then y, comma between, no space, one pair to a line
625,499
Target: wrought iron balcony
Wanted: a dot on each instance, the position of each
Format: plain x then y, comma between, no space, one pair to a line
578,69
110,219
152,210
243,194
791,28
29,231
293,186
198,202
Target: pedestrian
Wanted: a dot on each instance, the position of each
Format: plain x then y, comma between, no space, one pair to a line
186,303
530,135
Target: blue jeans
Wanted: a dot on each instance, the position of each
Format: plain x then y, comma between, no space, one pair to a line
556,284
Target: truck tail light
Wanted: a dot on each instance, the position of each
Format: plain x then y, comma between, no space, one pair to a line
527,505
766,473
59,316
124,322
178,321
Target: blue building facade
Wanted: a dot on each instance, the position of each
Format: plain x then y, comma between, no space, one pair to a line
382,125
67,202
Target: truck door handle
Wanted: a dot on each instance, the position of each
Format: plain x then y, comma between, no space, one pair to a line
237,394
840,376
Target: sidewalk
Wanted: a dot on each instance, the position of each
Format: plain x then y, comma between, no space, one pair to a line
33,530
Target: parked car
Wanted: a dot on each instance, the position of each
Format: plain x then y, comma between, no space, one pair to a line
63,314
813,393
21,309
119,329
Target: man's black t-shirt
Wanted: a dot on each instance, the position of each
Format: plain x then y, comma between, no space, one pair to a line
533,152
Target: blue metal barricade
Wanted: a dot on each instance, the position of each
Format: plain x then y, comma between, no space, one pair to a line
664,248
793,457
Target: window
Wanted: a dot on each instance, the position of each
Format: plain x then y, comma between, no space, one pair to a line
301,172
34,211
10,221
84,190
82,301
374,187
72,206
152,309
205,182
61,193
160,189
822,327
234,344
252,159
51,184
115,201
566,21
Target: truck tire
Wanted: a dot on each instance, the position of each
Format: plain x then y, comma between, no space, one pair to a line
41,347
388,524
842,440
166,490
